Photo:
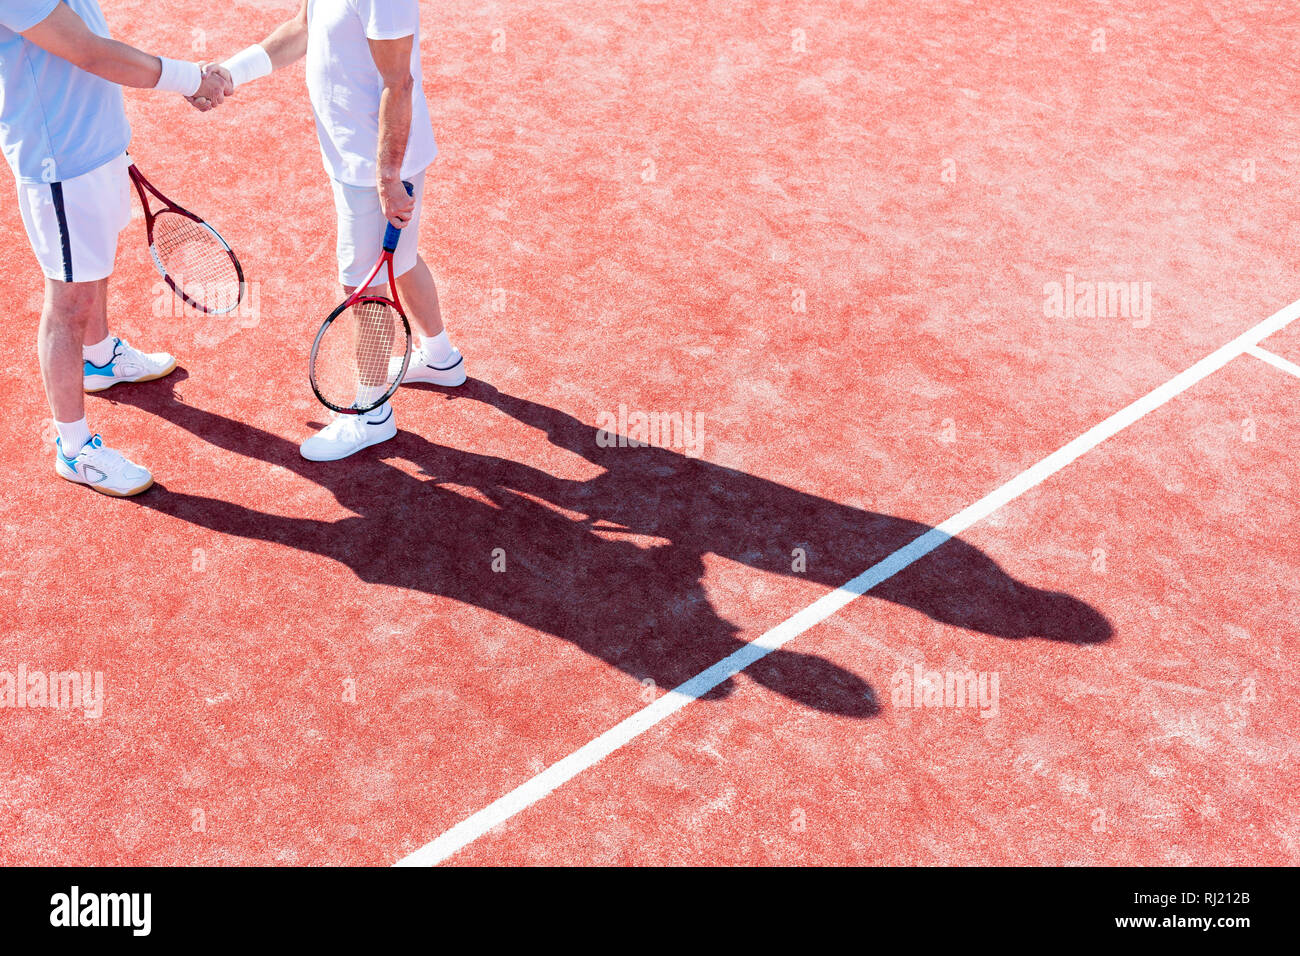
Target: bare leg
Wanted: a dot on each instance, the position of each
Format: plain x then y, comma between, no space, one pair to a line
97,320
74,314
369,374
420,299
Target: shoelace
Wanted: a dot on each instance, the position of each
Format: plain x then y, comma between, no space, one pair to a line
344,424
101,457
127,353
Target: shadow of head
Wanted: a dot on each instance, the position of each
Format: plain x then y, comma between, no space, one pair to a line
960,585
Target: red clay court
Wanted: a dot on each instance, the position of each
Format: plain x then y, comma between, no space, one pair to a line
856,244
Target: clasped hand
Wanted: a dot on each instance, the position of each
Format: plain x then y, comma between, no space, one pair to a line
214,89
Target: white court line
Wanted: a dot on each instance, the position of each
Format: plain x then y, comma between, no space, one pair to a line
535,788
1275,360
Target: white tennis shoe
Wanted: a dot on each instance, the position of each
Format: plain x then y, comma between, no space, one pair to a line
450,371
349,434
107,471
127,365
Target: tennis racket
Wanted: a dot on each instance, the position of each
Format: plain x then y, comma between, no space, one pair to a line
362,351
192,257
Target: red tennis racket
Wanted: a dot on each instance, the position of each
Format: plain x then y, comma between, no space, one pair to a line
193,259
362,350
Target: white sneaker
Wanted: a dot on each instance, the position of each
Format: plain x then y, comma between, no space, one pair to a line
105,470
348,434
450,371
126,365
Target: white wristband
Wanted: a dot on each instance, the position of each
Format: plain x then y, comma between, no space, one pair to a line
249,65
179,77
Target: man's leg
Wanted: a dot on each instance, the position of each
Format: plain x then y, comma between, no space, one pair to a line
435,361
73,227
99,344
75,315
114,360
348,434
97,320
360,226
419,295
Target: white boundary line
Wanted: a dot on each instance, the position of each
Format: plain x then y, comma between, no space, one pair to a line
1275,360
585,757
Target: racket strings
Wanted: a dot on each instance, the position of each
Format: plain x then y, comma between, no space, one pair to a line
360,355
197,262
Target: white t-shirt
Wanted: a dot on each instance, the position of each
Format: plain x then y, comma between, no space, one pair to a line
345,85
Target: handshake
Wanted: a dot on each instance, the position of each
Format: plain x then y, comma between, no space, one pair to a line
216,86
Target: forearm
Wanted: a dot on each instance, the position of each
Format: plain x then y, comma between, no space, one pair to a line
121,63
66,35
394,127
287,44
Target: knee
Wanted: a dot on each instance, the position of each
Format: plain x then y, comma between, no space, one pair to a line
69,298
70,303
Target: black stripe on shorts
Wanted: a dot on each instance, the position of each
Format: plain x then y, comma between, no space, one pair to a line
65,238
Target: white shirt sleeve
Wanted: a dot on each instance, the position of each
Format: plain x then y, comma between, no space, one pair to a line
20,15
389,19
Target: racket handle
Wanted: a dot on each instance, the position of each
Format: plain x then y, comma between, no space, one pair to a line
393,234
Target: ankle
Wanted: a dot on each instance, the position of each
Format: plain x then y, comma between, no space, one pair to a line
72,437
101,353
438,347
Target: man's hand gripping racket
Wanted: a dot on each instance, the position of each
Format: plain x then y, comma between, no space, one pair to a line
362,351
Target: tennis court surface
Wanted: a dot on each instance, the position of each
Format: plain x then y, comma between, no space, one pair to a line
981,323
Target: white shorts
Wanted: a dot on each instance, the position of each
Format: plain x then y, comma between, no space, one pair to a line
361,231
73,225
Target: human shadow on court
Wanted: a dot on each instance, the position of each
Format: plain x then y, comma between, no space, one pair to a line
573,570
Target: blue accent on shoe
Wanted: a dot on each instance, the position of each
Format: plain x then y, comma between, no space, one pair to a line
58,444
370,421
90,368
94,440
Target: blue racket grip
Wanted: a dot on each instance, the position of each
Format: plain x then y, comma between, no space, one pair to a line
393,234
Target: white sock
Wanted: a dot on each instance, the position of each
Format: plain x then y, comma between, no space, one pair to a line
368,394
438,348
101,353
72,435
